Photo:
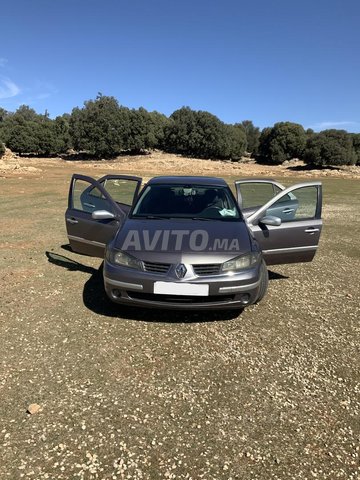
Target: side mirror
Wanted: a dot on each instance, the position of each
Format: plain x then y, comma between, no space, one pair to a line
102,215
270,220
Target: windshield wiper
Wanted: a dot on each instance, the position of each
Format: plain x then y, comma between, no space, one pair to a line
151,217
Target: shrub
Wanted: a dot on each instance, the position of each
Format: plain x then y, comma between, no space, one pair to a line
284,141
25,131
203,135
330,147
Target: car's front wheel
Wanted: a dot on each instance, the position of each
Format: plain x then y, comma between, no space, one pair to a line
264,281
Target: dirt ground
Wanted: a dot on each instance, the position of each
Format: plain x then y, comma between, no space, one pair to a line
159,163
268,393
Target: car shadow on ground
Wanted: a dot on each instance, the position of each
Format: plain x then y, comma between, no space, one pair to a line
96,300
276,276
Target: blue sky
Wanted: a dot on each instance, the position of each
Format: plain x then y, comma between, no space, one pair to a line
261,60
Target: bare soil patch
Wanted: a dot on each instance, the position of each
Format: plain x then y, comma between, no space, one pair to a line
164,163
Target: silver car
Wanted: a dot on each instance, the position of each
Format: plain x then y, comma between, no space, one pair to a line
189,242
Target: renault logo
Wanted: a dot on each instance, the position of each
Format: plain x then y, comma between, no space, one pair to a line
180,270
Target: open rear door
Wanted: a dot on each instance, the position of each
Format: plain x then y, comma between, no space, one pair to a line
114,194
297,212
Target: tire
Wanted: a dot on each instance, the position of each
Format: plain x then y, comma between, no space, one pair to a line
264,281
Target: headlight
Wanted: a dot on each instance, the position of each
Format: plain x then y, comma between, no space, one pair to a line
121,258
241,263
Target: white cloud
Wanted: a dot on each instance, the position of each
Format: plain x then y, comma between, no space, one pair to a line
8,88
328,125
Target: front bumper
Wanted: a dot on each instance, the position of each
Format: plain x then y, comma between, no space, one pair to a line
134,287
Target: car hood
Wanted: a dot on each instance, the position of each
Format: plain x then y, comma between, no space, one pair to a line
175,240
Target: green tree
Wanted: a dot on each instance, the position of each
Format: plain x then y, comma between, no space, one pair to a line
264,142
209,138
3,114
25,131
3,125
252,136
158,122
23,138
284,141
146,129
330,147
181,126
25,114
101,127
235,142
356,143
203,135
61,128
2,149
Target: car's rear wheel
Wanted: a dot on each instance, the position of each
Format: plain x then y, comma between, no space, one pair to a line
264,281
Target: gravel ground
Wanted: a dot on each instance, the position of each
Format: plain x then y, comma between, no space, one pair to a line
271,392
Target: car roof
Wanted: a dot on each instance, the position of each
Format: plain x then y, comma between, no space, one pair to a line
173,180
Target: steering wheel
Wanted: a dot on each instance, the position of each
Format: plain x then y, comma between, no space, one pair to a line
212,211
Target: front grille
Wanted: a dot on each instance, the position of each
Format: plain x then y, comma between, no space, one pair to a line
207,269
161,268
157,297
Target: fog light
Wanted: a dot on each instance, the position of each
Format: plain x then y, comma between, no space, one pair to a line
245,298
116,293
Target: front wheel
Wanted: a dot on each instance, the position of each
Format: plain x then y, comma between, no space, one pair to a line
264,281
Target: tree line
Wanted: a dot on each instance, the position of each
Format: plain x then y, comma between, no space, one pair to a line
103,128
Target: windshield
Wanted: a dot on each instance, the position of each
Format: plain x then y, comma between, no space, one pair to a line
186,201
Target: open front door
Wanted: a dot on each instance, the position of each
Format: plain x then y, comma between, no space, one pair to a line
114,194
253,193
297,212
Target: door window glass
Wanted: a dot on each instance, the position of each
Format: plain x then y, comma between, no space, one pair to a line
297,205
88,198
256,194
121,190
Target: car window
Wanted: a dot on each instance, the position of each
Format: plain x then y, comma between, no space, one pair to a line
87,198
187,201
299,206
121,190
256,194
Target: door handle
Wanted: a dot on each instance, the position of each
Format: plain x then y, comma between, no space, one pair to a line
288,210
89,205
72,220
312,230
